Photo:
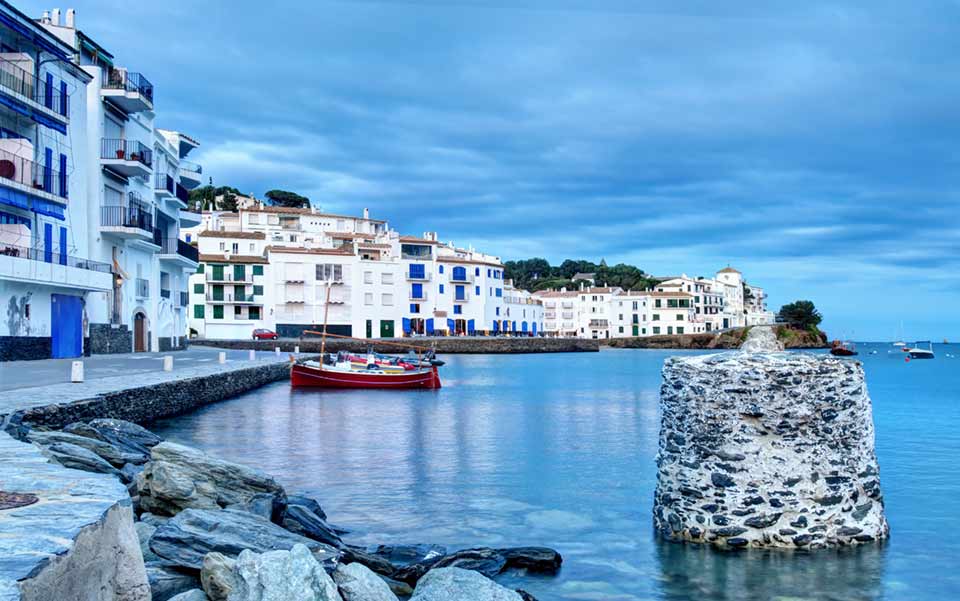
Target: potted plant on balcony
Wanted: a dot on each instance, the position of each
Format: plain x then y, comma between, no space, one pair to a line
134,156
120,153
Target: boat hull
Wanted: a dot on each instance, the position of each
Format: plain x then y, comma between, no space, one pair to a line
302,376
920,355
842,352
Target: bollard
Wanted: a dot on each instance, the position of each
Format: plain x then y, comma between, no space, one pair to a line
76,371
253,355
296,350
168,363
222,357
277,350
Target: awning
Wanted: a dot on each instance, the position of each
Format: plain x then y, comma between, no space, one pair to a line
48,122
45,207
15,105
28,111
14,198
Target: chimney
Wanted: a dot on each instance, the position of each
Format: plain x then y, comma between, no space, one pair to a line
55,16
366,213
46,17
71,18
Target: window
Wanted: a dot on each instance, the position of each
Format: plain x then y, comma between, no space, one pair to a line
367,277
239,273
368,298
460,274
218,311
414,308
458,309
200,268
460,293
636,318
476,271
656,317
258,290
198,288
670,330
499,292
223,246
498,311
656,330
252,248
634,305
621,317
657,304
441,288
258,270
679,316
416,290
488,272
386,300
441,269
418,271
237,310
198,311
621,329
235,247
477,290
327,272
679,329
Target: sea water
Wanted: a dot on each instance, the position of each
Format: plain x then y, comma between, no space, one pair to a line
559,450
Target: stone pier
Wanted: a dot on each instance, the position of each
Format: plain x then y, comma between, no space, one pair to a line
764,448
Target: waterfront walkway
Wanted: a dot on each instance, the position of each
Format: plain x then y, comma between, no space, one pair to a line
30,384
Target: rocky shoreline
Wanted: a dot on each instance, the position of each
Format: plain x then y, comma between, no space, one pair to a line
730,339
213,530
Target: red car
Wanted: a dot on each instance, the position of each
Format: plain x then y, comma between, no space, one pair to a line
264,334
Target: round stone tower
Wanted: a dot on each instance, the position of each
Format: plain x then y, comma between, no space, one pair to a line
762,448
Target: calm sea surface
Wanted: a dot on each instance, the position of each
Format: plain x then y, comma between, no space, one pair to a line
559,450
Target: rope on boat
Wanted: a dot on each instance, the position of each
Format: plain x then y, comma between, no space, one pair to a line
369,341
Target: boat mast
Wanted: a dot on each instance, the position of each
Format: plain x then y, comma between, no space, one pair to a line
326,310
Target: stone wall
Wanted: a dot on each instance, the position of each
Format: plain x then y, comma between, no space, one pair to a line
166,345
25,348
106,339
445,346
767,449
76,542
144,404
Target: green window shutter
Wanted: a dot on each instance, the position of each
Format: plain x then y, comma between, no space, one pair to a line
258,290
218,272
198,288
258,270
218,311
198,311
239,272
199,267
217,292
254,313
238,292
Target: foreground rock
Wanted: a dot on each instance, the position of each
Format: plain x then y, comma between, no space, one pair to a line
166,582
300,520
185,539
767,449
293,575
357,583
484,560
761,339
104,450
78,458
180,477
191,595
126,436
217,576
449,584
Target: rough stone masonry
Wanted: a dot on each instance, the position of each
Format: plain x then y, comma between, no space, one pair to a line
764,448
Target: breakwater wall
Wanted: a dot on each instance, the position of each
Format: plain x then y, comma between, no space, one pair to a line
147,397
444,345
728,339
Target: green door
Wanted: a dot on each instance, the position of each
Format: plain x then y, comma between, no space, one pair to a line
386,328
217,292
636,330
369,328
238,293
239,271
218,273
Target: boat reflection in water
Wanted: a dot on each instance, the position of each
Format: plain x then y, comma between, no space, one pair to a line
695,572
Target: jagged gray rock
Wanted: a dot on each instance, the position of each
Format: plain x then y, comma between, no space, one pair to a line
78,458
447,584
144,532
217,576
179,477
293,575
767,450
166,582
191,595
104,450
358,583
761,339
304,522
185,539
130,438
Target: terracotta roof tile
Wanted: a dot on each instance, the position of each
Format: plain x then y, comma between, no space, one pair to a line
231,234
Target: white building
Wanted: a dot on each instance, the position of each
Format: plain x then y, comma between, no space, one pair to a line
523,312
630,315
561,312
50,280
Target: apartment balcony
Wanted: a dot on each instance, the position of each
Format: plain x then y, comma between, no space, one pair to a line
461,279
462,297
599,323
133,221
30,93
191,175
567,315
130,91
182,194
549,315
176,251
419,277
31,178
142,288
230,277
51,267
129,158
232,298
164,186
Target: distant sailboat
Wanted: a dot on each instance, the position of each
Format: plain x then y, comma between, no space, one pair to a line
900,341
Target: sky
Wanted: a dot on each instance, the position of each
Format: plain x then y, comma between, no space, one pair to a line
811,145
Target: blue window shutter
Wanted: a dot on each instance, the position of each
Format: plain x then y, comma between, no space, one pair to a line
488,273
523,327
406,325
48,242
47,170
63,246
416,290
430,326
460,273
496,325
62,177
441,268
470,326
441,288
477,290
63,98
498,311
450,326
477,272
48,92
534,329
514,326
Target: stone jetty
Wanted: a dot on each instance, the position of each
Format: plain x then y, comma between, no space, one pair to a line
122,515
763,448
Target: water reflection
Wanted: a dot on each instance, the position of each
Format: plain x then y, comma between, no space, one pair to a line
697,573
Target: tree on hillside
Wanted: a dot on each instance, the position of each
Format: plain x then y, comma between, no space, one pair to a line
205,198
800,314
283,198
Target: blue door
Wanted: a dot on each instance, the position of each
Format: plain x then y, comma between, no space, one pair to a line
496,326
430,326
534,328
470,327
48,242
451,327
66,320
523,327
406,326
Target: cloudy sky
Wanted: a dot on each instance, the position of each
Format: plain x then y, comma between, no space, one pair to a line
812,145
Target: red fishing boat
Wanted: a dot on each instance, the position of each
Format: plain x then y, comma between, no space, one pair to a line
314,374
843,348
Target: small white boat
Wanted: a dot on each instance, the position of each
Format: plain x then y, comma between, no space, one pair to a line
899,343
919,352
